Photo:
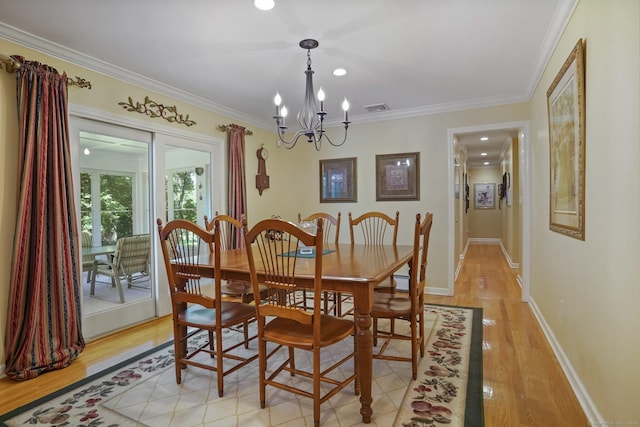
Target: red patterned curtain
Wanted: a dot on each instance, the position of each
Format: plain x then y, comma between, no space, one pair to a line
44,320
237,180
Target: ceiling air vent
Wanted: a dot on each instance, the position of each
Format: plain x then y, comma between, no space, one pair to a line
374,108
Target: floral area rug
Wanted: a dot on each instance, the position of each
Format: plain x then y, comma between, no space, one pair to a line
142,391
448,389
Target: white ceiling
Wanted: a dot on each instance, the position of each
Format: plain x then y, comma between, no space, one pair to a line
416,56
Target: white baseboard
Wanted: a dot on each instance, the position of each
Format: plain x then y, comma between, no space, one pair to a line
508,257
484,240
457,272
519,280
593,415
445,292
402,282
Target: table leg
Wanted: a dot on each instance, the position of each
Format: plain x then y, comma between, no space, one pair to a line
362,305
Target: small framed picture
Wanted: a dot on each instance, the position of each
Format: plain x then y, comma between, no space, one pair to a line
338,180
484,195
398,176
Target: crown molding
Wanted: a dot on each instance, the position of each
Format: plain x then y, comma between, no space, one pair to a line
71,56
552,37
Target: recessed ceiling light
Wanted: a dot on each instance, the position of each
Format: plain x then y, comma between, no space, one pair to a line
484,138
483,154
486,163
339,72
264,4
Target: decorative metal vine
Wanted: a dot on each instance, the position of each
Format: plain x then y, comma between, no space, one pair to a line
153,109
79,82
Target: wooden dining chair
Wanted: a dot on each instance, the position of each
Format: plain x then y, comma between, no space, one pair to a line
331,235
183,242
284,322
376,228
231,237
406,306
331,225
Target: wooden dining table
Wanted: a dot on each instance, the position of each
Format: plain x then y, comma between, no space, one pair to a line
354,269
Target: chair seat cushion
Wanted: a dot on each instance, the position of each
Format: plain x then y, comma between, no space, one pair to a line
202,317
291,333
239,288
390,305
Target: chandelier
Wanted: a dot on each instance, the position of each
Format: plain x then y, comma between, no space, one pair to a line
310,118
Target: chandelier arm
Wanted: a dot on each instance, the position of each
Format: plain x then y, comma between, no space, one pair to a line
346,126
292,142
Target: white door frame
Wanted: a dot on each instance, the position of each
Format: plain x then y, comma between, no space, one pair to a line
161,135
524,199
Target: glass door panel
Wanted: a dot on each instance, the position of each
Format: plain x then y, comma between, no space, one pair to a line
114,197
187,184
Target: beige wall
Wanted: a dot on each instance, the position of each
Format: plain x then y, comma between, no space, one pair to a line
598,327
8,173
484,223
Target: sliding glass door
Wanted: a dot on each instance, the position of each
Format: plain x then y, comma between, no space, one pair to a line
115,200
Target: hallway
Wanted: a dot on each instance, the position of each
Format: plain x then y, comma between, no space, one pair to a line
523,382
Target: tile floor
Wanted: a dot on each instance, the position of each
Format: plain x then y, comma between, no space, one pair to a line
160,402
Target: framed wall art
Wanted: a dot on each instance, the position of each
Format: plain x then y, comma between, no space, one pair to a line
338,180
466,192
566,108
484,195
398,176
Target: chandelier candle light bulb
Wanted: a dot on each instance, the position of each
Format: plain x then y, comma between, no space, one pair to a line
321,99
277,100
345,107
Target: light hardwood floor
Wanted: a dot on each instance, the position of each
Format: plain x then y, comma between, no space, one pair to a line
523,382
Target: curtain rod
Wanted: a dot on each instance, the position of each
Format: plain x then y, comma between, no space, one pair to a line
10,65
225,128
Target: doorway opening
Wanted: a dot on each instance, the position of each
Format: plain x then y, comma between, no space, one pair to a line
499,163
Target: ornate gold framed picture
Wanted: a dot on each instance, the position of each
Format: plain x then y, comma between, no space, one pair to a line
398,176
566,108
338,180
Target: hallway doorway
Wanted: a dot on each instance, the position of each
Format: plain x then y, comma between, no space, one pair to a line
502,149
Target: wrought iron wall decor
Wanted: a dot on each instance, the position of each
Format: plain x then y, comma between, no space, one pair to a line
154,109
227,128
79,82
